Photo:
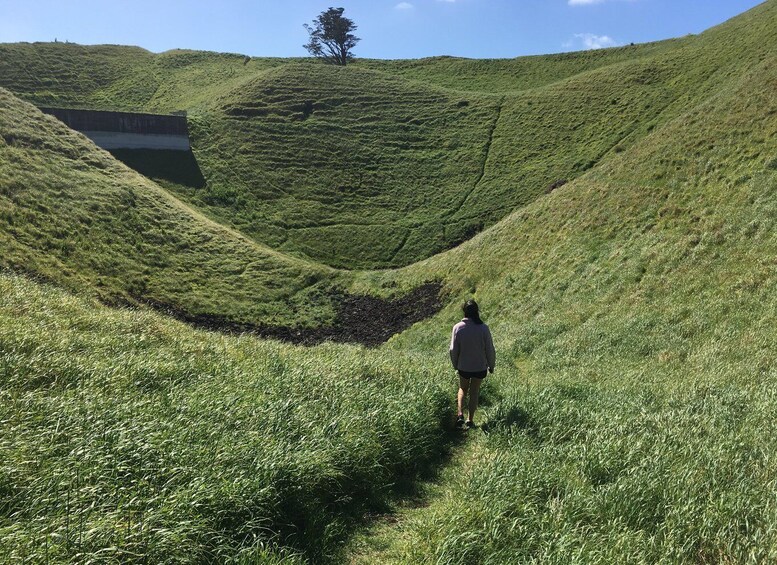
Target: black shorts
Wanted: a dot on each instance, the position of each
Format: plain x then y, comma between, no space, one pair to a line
473,375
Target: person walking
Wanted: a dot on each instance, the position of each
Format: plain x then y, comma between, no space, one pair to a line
473,356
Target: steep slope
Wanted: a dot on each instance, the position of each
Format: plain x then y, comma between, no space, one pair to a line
72,214
634,311
391,187
359,168
372,167
348,166
550,135
320,160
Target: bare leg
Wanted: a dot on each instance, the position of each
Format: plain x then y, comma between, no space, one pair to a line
463,389
474,396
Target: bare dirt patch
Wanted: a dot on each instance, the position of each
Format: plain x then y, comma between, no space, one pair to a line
363,319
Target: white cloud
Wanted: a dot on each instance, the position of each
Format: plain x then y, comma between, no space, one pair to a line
404,6
590,41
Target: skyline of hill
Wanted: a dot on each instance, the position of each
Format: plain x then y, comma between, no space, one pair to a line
293,154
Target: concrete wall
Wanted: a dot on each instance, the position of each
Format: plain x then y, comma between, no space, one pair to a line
113,140
127,130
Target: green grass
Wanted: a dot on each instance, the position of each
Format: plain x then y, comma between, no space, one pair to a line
70,75
70,213
633,311
405,170
114,77
131,437
341,164
518,74
383,164
571,471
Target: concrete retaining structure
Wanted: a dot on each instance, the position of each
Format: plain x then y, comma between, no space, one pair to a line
127,130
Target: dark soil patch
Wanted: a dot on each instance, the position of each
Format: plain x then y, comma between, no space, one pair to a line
363,319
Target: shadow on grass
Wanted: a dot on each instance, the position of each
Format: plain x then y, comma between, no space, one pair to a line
410,490
179,167
514,416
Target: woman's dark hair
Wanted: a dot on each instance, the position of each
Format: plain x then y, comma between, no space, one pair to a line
472,311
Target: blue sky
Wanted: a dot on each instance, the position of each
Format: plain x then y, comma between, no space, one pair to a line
389,29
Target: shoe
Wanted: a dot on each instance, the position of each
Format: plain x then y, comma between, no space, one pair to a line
470,424
460,421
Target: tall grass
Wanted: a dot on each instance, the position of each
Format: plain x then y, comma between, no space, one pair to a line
129,437
579,472
637,366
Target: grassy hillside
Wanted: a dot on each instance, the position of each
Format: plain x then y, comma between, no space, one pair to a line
70,75
115,77
348,166
383,164
633,309
70,213
503,76
128,437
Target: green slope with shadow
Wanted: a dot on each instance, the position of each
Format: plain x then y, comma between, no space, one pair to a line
70,213
633,311
377,165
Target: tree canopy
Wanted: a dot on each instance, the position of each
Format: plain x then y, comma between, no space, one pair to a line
331,37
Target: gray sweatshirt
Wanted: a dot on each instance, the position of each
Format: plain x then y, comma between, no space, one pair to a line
472,348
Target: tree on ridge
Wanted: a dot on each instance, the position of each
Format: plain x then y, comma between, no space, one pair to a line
331,37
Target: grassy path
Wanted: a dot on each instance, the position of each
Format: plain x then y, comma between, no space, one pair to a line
400,536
